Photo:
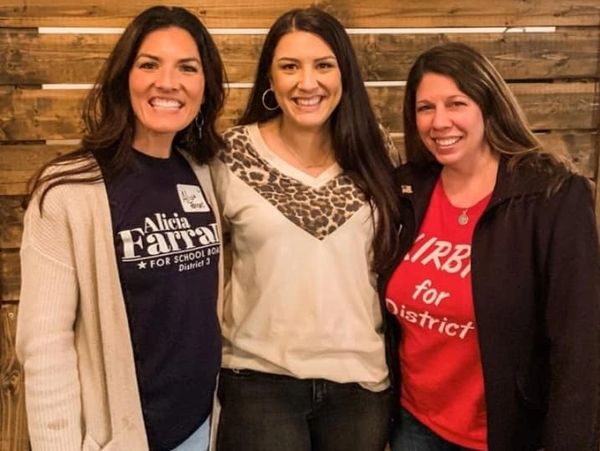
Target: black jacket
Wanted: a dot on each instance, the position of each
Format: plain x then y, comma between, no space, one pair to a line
535,268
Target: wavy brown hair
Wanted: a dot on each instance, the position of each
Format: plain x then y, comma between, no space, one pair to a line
108,116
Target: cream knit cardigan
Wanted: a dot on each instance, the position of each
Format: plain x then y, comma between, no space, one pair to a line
72,332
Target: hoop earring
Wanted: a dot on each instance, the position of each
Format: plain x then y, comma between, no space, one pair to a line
267,107
199,124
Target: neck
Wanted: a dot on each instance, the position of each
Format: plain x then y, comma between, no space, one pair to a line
309,150
466,186
311,146
154,146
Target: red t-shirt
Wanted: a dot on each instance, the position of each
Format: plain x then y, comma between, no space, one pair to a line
430,294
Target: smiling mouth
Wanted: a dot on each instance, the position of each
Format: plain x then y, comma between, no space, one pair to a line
172,104
308,101
445,142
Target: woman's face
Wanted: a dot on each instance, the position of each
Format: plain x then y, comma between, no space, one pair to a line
449,122
166,83
306,79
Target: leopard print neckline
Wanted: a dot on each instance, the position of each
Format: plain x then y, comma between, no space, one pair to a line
319,211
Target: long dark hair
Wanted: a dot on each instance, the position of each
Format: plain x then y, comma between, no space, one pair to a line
108,116
357,139
506,128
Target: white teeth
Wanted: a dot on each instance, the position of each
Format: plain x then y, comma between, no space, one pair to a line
308,102
447,141
165,103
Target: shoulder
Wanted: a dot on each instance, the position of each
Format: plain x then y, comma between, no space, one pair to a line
68,174
237,140
235,135
75,162
241,147
538,172
411,173
559,193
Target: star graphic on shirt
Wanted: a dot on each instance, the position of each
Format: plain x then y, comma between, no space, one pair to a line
142,265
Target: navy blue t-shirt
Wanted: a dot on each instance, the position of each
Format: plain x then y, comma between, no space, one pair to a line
167,247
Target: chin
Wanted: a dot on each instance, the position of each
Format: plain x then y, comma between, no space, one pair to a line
311,123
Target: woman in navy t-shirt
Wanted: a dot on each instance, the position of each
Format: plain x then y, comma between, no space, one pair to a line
118,328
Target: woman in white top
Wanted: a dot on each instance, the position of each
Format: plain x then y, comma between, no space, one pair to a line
306,192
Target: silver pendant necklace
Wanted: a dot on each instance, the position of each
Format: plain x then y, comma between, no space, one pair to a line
463,218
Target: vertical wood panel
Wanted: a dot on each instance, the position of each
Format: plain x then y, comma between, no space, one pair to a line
13,422
10,275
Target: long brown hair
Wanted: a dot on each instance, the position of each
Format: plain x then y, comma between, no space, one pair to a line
357,139
108,116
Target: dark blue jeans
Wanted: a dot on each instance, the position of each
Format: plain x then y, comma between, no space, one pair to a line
409,434
268,412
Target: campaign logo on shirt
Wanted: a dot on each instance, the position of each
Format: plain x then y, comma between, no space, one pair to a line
192,199
163,240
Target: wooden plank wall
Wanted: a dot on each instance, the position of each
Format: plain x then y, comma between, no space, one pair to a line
554,72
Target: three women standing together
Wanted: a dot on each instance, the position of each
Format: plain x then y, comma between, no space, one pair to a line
485,247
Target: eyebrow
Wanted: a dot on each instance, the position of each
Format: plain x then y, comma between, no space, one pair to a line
452,97
323,58
156,58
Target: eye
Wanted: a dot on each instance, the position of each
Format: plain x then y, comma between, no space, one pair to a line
190,68
324,65
457,104
147,65
424,107
288,67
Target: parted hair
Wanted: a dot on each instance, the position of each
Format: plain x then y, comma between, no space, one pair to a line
506,128
357,138
108,116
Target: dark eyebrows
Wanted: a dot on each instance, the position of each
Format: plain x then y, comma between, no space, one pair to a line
318,60
190,60
146,55
450,98
156,58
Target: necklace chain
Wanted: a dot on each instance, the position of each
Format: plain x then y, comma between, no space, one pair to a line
324,160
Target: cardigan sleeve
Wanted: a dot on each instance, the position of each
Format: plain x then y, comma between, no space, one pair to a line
573,321
45,328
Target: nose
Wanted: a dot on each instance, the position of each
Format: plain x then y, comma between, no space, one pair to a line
166,79
441,118
308,80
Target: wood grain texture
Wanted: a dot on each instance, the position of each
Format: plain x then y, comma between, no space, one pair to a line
11,218
353,13
13,422
582,148
10,275
34,114
29,58
19,162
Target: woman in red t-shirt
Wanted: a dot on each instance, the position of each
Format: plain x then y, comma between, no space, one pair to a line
496,286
